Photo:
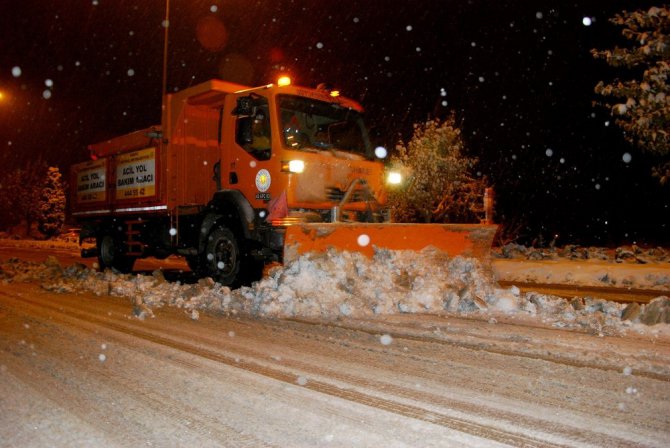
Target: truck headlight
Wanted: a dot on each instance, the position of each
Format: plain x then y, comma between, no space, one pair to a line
394,178
293,166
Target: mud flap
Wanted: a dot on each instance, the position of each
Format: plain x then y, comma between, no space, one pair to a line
470,240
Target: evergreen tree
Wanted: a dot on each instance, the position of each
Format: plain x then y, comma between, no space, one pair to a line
20,192
439,186
642,106
51,210
9,213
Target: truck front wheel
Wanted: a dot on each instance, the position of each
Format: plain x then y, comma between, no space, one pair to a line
109,255
222,256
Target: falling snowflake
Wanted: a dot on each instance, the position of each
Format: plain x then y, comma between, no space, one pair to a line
626,157
173,231
381,152
587,21
46,94
16,71
363,240
549,152
386,339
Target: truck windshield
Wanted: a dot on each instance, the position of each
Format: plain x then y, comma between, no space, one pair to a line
318,125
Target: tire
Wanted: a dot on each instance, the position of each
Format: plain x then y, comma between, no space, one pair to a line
111,257
222,257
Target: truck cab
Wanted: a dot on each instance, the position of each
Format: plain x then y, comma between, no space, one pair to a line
301,154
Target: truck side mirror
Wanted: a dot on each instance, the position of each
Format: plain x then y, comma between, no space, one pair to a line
245,106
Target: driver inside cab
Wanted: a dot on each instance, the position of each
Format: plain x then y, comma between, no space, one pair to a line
260,136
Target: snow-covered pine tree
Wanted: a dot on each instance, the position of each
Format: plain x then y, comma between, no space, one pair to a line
439,185
642,106
51,211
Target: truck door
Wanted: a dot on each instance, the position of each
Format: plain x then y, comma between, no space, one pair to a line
249,169
252,132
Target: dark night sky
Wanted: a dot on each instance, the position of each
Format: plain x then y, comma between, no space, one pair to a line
517,74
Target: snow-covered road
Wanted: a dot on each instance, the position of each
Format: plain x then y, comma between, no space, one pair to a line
80,370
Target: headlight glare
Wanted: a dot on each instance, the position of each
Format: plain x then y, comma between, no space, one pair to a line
394,178
293,166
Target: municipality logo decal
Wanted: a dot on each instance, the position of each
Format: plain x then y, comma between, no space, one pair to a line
263,180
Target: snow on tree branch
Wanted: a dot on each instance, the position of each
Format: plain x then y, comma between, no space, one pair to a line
440,186
642,106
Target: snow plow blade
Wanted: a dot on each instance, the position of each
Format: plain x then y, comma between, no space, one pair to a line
469,240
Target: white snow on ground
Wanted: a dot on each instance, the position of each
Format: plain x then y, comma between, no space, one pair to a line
336,285
624,267
585,273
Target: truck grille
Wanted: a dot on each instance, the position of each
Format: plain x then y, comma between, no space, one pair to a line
336,195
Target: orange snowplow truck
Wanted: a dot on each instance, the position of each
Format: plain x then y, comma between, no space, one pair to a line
236,177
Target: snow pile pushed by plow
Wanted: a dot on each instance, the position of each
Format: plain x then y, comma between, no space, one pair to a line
341,284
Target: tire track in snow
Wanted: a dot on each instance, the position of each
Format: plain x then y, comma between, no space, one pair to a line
176,340
487,344
46,382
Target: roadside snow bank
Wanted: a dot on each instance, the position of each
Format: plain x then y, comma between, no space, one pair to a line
588,273
335,284
623,254
623,267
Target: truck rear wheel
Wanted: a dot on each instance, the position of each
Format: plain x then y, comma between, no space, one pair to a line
110,256
222,256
